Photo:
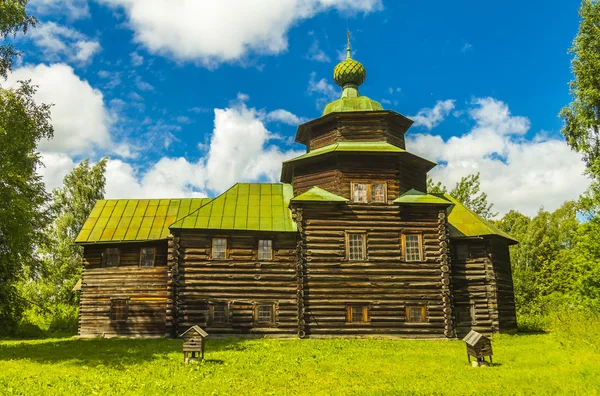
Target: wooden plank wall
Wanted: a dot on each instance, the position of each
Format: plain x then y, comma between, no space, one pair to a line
474,283
507,314
335,174
240,281
146,289
384,281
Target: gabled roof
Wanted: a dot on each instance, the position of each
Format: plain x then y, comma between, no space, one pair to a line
196,329
418,197
245,206
466,223
317,194
473,338
134,220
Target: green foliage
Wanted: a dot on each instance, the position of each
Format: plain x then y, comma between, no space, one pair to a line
13,19
468,192
532,364
50,286
582,116
23,124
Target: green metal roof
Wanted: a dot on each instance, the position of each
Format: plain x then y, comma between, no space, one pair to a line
417,197
344,104
128,220
245,206
466,223
317,194
377,147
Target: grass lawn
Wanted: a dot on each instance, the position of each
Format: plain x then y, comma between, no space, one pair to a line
525,364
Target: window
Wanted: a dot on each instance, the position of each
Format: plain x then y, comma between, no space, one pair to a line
415,314
119,309
412,247
465,313
357,313
462,251
356,246
147,256
359,192
111,257
219,314
264,314
378,193
265,249
219,248
364,193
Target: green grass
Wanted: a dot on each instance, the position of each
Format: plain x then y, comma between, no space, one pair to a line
525,364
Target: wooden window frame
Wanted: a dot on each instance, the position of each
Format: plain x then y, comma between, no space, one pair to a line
153,259
369,192
103,258
212,248
258,250
410,319
259,323
364,312
364,245
211,313
114,299
405,256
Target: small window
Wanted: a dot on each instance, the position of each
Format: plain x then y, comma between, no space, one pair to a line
219,248
465,313
378,193
359,192
356,246
111,257
147,256
415,314
264,314
219,314
412,248
265,249
119,309
357,313
462,251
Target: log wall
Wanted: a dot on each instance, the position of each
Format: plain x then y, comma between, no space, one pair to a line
146,289
240,282
384,281
507,314
335,174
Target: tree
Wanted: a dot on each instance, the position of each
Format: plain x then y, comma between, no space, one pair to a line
13,19
582,116
23,124
468,192
71,206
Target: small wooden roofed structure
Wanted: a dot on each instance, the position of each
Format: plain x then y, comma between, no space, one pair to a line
193,343
478,346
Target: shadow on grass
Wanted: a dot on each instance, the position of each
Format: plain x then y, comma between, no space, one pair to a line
107,352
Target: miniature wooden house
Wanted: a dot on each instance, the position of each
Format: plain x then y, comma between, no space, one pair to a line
193,344
478,346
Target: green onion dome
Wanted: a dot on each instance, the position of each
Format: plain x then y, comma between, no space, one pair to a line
349,71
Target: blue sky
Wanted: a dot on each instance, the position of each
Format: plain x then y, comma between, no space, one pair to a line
187,97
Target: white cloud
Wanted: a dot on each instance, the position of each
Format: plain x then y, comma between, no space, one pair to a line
324,91
73,9
62,43
466,47
79,115
136,59
223,31
515,173
143,85
430,118
315,53
284,116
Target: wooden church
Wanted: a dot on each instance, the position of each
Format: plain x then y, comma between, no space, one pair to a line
348,244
